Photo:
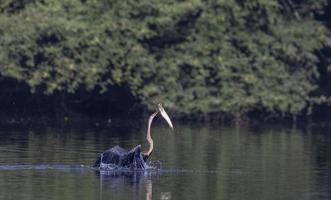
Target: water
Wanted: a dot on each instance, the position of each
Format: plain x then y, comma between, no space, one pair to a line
194,162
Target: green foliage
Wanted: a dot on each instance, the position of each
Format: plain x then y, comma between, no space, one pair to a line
196,56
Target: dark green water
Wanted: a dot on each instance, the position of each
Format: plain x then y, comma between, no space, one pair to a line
195,162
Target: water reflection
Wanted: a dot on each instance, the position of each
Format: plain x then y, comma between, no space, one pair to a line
119,177
197,162
140,180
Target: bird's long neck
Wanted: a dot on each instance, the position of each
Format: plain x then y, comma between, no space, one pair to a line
148,137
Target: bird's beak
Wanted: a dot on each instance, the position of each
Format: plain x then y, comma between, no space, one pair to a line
165,115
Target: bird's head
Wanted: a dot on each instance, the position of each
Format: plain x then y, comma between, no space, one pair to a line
165,115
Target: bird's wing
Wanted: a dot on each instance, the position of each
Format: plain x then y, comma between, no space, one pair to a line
119,150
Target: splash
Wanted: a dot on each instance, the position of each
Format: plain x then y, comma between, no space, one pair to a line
136,166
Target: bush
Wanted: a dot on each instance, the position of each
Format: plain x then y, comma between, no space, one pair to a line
201,57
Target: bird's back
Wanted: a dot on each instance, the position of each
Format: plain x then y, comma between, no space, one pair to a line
120,157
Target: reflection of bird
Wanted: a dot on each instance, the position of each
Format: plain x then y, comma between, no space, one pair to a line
110,179
134,159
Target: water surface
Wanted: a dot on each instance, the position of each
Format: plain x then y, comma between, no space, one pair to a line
194,162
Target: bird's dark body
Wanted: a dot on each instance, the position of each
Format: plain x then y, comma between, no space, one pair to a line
117,157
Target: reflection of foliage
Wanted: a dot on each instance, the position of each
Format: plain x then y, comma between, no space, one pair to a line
197,56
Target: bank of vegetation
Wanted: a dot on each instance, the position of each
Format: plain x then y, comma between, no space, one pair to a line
230,58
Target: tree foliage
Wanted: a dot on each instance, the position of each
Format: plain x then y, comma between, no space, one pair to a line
212,56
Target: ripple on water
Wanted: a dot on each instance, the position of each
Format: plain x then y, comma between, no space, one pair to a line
152,167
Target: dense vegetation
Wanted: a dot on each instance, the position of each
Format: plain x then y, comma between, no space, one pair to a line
228,57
